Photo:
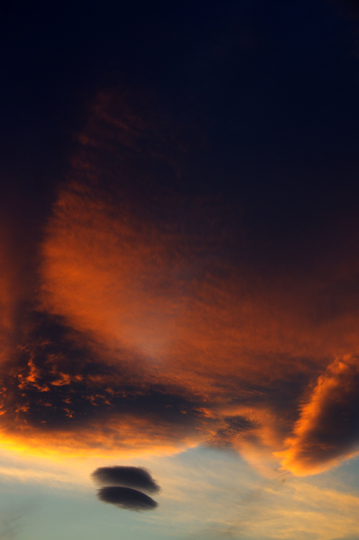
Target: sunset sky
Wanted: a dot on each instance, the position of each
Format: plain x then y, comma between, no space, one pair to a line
179,286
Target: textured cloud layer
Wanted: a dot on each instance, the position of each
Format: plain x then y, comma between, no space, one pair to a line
163,318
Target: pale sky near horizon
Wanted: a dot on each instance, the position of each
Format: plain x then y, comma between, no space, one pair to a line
205,493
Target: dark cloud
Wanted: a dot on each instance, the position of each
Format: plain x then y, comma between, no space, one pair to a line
232,426
127,498
59,380
56,379
134,477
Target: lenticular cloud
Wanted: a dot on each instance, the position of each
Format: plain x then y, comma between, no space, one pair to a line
132,477
127,498
121,482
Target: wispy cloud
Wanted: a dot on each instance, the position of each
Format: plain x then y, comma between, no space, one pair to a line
12,522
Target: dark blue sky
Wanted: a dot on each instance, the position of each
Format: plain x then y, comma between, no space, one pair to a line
272,87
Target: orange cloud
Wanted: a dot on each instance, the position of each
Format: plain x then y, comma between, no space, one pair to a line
151,277
154,326
328,427
135,286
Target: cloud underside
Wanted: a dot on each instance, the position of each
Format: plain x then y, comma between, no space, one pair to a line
154,325
127,498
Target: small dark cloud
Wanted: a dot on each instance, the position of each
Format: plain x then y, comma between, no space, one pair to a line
133,477
127,498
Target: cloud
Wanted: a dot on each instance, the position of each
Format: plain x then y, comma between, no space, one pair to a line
134,477
208,328
160,320
127,498
328,427
12,522
59,382
120,483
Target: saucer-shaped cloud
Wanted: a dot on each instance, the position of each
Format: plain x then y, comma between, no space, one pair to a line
127,498
133,477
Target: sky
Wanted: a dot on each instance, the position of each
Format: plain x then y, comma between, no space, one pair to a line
179,286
